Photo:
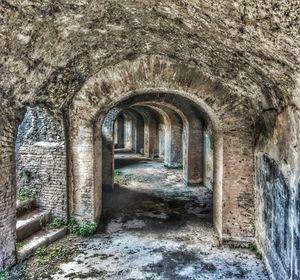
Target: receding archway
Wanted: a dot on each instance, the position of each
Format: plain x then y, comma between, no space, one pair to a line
191,115
233,124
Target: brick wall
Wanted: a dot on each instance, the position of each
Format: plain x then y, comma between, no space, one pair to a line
8,129
46,162
40,150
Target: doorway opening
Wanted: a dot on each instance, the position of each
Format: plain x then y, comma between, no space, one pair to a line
158,149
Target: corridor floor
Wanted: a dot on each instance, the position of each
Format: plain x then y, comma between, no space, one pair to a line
156,228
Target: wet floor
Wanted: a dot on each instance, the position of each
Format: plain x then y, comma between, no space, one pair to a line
154,227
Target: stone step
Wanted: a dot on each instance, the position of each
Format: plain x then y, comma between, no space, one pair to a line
26,206
42,238
31,223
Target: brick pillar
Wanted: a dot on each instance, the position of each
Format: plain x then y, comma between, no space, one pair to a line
8,129
239,179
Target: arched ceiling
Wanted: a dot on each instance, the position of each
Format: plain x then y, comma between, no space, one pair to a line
50,48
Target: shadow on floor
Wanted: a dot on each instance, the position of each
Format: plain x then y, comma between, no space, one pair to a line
158,213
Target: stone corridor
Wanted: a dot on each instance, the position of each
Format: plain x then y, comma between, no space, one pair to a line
156,228
212,87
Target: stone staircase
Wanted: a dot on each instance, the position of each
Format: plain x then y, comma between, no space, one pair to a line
32,232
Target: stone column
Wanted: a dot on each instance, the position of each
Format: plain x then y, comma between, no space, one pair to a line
84,183
173,148
208,159
161,140
107,154
128,133
193,173
149,137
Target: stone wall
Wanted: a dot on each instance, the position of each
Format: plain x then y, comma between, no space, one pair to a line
278,195
41,154
278,210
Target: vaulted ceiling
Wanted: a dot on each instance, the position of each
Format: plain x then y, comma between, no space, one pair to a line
50,48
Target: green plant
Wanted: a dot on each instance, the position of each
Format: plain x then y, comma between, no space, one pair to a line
41,252
20,268
19,245
118,172
118,176
4,274
47,260
56,223
14,272
253,248
25,193
27,173
73,226
85,229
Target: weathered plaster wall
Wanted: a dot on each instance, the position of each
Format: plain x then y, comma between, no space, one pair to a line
278,200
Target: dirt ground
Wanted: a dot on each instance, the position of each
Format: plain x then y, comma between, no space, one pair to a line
153,227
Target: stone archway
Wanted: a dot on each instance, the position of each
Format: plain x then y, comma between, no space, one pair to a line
235,215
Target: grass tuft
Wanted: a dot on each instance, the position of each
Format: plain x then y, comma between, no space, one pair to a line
25,193
84,229
56,222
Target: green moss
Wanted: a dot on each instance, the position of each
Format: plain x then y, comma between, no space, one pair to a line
15,272
73,226
41,252
19,245
47,260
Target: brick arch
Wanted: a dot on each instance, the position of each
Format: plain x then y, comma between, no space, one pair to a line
155,73
230,115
